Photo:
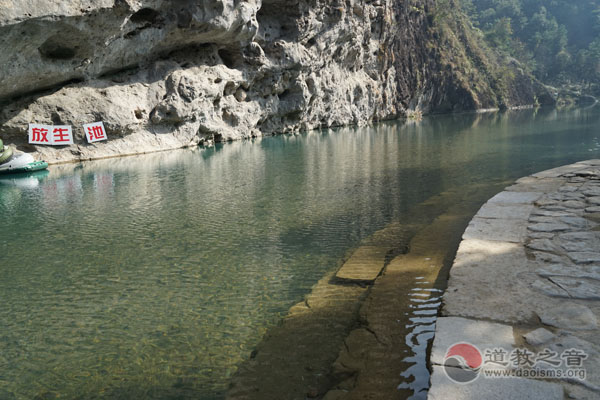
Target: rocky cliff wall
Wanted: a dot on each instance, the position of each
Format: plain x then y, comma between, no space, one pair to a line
167,74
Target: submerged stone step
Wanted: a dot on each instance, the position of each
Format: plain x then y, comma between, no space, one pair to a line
364,265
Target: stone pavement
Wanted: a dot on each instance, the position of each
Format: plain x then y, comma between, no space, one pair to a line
525,290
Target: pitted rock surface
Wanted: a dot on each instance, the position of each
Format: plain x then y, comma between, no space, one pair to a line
168,74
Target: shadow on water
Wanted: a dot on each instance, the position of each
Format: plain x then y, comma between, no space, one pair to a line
357,342
158,276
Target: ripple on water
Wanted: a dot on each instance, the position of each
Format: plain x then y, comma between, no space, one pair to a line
155,276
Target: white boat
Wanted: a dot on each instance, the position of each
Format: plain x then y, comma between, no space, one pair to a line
22,162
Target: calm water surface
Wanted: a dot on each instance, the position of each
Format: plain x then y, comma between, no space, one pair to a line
154,276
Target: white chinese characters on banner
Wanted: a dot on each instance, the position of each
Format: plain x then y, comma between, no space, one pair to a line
94,132
51,135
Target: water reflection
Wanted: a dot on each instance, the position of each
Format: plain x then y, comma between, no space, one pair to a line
154,276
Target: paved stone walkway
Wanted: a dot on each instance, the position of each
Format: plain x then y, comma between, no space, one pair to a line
525,290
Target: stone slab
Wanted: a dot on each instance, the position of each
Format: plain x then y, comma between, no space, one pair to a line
589,173
569,188
365,264
577,222
549,288
556,282
595,201
573,204
487,273
578,392
503,230
565,196
541,235
584,257
558,172
503,211
592,162
571,316
579,241
592,191
542,245
516,197
550,258
532,184
591,364
482,334
579,288
570,271
442,388
539,336
549,227
545,213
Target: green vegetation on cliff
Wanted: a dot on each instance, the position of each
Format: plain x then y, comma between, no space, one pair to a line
558,40
491,77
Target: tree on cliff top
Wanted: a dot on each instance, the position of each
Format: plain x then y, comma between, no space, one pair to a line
559,40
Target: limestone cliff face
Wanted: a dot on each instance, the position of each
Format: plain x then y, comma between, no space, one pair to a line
166,74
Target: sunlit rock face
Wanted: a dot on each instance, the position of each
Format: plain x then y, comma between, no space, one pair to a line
168,74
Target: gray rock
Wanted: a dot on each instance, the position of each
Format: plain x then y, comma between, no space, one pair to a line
541,219
482,334
559,171
571,271
485,275
442,388
584,257
554,207
365,264
210,71
549,227
503,211
591,364
577,179
515,197
508,230
549,288
573,204
72,41
539,336
560,197
579,241
579,288
570,316
542,244
545,201
541,235
546,213
577,222
593,209
591,191
532,184
569,188
550,258
589,173
578,392
489,276
594,200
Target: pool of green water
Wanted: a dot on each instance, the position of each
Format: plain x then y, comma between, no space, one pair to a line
153,277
